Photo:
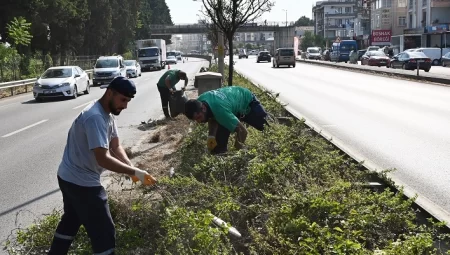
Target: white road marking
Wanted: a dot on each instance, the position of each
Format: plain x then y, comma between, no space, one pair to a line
25,128
81,105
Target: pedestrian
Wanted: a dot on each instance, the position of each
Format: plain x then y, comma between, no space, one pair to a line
92,147
166,86
224,109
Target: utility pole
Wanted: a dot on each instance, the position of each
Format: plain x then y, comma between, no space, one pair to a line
286,15
221,53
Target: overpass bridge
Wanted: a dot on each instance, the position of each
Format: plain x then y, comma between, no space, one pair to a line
202,28
283,35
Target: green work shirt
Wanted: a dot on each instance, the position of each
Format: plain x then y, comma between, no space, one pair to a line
227,103
173,76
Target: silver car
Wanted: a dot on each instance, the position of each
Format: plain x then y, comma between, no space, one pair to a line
133,68
61,81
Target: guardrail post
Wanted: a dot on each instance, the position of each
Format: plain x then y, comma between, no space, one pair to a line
418,66
12,91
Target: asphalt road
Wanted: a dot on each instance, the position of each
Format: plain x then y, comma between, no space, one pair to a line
388,122
33,136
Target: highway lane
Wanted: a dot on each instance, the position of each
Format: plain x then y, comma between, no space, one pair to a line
33,136
390,123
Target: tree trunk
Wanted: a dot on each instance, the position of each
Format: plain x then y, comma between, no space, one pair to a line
230,63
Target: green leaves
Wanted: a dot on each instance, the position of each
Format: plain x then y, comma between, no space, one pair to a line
19,31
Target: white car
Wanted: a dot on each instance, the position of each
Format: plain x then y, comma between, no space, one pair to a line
133,68
171,60
61,81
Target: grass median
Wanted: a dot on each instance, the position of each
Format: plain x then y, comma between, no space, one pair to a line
289,192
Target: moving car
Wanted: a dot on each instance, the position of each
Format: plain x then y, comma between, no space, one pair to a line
284,56
133,68
171,60
375,58
446,60
61,81
409,60
313,53
107,68
243,53
263,56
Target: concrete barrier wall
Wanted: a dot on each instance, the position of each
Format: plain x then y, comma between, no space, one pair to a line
206,57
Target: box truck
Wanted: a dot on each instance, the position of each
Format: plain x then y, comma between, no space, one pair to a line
151,54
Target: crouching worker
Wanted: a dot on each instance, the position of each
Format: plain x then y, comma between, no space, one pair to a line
166,86
224,109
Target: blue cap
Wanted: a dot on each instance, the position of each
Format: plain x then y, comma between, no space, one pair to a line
122,85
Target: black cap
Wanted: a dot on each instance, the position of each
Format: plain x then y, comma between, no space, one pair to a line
192,106
122,85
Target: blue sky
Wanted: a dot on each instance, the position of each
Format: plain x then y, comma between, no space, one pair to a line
185,11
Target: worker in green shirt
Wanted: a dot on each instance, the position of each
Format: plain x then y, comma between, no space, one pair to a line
166,86
224,109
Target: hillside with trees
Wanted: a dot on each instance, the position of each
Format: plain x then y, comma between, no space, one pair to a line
62,29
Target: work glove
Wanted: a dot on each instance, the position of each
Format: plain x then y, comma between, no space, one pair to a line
211,143
172,91
144,177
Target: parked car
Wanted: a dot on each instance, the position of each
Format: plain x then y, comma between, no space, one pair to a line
435,54
446,60
373,48
326,55
243,53
263,56
375,58
133,68
284,56
171,60
361,53
313,53
61,81
408,61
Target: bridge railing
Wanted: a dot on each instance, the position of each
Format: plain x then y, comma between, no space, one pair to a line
253,24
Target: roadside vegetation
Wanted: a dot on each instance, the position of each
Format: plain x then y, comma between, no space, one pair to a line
289,192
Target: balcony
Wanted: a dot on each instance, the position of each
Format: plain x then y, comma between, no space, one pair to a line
342,14
337,3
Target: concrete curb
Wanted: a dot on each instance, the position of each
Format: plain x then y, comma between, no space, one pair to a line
398,73
421,201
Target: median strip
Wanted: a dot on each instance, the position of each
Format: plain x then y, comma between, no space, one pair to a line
25,128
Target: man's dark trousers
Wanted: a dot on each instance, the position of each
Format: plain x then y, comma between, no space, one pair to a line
165,96
87,206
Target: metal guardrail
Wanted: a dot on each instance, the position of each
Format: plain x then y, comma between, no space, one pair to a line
12,85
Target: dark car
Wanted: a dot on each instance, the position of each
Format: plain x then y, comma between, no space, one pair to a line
263,56
409,60
326,55
361,53
446,60
375,58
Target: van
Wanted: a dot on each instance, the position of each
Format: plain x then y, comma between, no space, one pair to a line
107,68
284,56
340,51
434,54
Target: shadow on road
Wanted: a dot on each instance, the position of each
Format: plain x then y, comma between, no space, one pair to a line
47,100
29,202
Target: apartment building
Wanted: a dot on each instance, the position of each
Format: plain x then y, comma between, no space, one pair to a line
343,19
428,24
388,21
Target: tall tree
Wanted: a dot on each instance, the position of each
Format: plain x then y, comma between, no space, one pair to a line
19,31
304,21
229,15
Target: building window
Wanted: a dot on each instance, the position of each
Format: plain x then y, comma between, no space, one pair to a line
386,4
402,21
378,21
348,9
424,18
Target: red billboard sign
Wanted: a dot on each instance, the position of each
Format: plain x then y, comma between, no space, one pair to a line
381,36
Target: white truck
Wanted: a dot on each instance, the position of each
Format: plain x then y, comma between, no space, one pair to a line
151,54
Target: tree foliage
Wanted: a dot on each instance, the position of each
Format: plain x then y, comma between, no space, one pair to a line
304,21
228,15
19,31
79,27
309,39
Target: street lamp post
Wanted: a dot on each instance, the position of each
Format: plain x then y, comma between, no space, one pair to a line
286,15
220,49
